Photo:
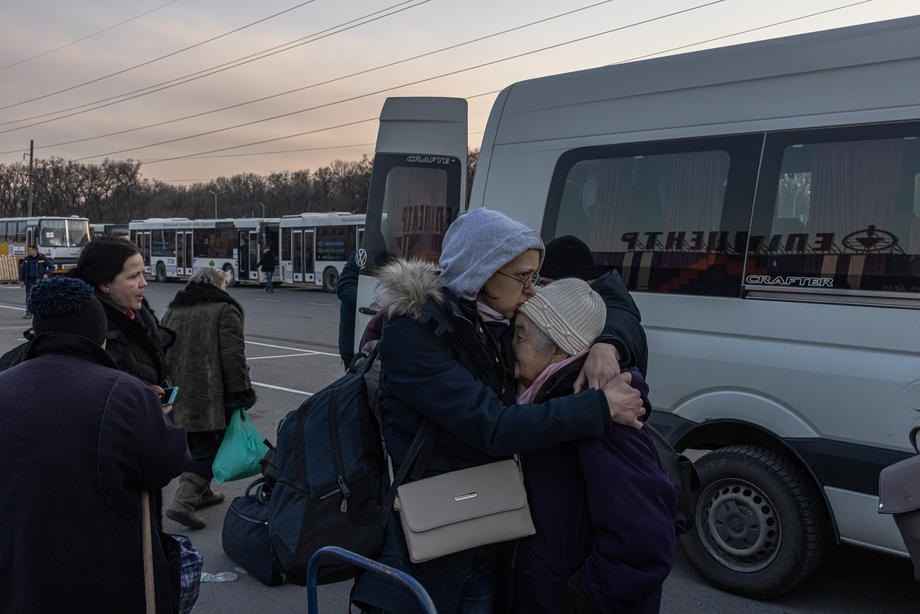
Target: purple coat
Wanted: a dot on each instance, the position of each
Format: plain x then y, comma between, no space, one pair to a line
604,514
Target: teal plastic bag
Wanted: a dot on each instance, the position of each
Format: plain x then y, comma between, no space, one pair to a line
240,450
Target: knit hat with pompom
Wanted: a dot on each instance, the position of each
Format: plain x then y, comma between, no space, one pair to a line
67,305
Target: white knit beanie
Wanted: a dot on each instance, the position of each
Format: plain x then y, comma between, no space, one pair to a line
569,312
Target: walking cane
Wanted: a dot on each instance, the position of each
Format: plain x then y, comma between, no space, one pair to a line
147,528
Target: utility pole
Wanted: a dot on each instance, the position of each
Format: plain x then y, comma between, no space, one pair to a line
215,203
31,177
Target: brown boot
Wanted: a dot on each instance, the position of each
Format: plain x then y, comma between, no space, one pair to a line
209,498
182,508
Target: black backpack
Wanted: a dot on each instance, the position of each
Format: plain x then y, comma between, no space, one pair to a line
683,476
330,478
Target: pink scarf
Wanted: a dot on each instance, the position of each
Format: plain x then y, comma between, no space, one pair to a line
529,393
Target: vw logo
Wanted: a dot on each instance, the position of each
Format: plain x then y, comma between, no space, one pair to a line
361,258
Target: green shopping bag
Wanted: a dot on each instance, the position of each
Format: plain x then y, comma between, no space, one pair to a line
240,450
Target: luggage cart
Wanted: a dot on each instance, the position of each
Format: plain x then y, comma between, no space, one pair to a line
395,575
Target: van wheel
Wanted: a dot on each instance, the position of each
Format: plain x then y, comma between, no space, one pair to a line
161,272
231,276
330,279
760,527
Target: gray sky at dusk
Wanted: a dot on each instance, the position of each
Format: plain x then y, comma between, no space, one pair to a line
198,89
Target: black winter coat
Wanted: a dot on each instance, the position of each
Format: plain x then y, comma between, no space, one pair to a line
137,346
623,327
76,454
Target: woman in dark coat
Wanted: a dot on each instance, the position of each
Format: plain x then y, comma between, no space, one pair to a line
81,439
441,363
603,509
209,364
135,340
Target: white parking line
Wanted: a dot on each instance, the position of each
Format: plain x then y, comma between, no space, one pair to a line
283,389
282,347
248,358
11,307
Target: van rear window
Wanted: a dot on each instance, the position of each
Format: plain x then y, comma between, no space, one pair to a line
838,211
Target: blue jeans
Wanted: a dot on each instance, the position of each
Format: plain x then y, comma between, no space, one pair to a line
268,281
478,595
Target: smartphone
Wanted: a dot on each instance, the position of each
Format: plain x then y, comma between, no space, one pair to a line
169,395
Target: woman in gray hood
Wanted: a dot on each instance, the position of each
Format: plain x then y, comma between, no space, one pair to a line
446,359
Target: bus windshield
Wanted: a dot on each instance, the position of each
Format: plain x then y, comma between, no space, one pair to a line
63,233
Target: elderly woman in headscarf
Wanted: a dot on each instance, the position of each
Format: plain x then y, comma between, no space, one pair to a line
443,363
603,508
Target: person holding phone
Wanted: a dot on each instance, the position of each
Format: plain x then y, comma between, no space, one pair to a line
209,366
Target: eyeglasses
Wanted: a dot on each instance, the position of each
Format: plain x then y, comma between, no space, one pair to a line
525,280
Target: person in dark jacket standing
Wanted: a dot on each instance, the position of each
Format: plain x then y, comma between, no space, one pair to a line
569,256
135,340
77,453
442,363
347,290
33,268
267,264
208,361
603,509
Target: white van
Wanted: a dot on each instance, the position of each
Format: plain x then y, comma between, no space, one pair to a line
762,203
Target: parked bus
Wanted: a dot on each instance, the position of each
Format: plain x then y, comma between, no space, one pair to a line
108,230
174,247
315,247
59,238
762,203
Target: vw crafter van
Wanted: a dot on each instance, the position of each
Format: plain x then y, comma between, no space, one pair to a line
762,203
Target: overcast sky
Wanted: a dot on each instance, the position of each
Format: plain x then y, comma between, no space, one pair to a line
61,59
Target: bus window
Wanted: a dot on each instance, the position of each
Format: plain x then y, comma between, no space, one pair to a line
52,233
77,232
838,212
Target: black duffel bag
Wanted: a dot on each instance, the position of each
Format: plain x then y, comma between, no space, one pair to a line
245,534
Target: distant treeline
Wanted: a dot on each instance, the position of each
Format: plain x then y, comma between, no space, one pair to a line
115,192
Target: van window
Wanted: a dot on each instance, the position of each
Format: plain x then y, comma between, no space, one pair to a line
837,211
668,216
415,198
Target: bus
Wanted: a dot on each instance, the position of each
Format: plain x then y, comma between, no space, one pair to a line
762,204
173,248
59,238
315,247
108,230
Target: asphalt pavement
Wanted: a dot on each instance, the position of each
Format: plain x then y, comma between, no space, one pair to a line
292,351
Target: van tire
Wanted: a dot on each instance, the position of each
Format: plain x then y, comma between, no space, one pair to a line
161,272
760,528
330,279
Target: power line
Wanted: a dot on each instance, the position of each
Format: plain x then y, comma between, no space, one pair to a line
157,59
200,155
395,87
318,84
87,37
213,70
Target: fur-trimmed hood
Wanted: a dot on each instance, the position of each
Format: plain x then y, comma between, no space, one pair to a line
198,294
405,286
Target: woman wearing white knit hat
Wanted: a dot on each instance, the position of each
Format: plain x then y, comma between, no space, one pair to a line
603,509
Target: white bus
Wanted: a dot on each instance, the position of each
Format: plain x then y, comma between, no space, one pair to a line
315,247
174,247
59,238
762,203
